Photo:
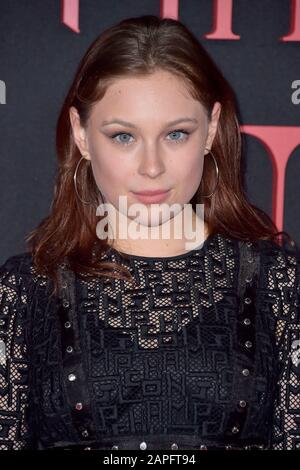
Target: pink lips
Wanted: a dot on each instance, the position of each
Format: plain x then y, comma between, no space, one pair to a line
148,197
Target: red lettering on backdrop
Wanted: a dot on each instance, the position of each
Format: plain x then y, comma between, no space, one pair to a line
294,34
280,142
169,9
70,14
222,18
222,21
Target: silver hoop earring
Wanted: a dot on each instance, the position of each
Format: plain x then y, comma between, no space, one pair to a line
217,173
75,181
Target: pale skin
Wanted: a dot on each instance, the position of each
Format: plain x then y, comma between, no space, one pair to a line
152,155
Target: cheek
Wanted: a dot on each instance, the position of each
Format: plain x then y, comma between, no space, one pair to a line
191,172
109,176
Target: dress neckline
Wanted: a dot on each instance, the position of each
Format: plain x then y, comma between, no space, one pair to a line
187,254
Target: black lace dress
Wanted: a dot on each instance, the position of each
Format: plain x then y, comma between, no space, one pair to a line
202,353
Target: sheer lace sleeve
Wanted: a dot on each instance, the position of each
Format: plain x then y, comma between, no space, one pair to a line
13,357
283,286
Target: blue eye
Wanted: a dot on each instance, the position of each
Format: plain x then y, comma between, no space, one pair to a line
127,142
179,131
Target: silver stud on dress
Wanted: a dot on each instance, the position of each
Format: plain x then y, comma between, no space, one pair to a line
66,303
235,430
248,344
174,446
69,349
85,433
115,448
247,321
242,403
143,445
78,406
72,377
67,324
245,372
203,447
248,300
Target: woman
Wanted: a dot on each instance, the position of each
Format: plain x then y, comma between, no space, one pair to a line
124,342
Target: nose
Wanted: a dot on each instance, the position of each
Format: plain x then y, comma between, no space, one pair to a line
151,163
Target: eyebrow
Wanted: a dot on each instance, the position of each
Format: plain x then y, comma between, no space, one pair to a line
129,124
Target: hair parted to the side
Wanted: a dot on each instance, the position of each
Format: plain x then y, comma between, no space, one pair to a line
134,47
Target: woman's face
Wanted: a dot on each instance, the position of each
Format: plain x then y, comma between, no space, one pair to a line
146,151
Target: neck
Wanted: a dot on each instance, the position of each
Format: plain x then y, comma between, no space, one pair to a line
173,237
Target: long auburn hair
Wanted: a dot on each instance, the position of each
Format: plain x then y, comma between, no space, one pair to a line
138,47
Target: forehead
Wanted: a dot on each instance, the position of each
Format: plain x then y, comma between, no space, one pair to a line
158,80
161,92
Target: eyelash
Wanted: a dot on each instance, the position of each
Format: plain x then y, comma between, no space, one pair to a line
128,143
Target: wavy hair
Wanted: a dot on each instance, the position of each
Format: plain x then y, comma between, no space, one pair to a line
138,47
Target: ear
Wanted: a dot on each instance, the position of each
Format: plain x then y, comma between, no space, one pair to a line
79,132
213,126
